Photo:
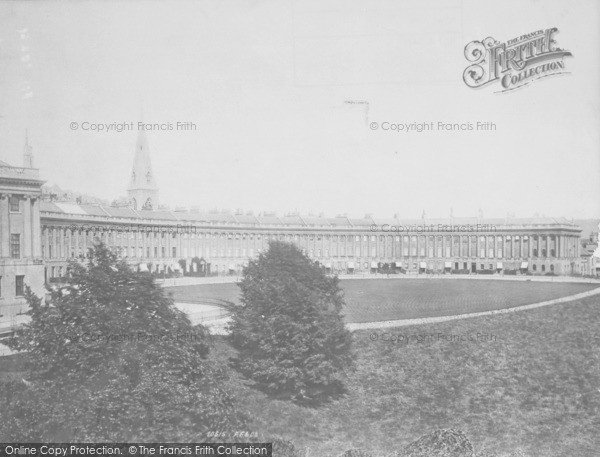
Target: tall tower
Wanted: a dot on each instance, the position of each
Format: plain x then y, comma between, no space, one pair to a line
27,153
142,190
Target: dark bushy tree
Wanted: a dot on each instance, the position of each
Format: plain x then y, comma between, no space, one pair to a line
111,359
289,330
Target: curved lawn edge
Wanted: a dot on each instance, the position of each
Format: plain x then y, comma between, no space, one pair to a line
217,326
193,281
434,320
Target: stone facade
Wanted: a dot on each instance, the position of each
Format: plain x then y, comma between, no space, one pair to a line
21,260
39,238
159,239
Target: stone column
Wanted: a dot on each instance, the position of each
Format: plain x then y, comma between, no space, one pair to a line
60,236
47,249
27,229
77,242
65,237
571,246
485,250
561,247
417,249
133,243
68,242
84,242
4,226
56,240
169,237
147,243
37,229
52,242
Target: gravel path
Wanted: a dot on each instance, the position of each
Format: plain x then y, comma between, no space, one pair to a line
209,316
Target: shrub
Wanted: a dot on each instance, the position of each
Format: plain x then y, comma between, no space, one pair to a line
289,331
111,359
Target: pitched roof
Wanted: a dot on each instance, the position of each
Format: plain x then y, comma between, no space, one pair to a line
288,220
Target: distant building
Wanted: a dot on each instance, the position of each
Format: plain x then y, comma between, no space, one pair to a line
21,260
590,254
159,240
40,237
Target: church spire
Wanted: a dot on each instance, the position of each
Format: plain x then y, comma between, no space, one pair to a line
27,152
142,190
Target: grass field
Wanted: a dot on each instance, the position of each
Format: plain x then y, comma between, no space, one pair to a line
381,299
527,380
533,383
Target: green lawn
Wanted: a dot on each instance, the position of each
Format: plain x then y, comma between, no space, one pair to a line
534,385
529,379
381,299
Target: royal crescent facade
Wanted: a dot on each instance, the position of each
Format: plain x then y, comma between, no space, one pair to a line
40,237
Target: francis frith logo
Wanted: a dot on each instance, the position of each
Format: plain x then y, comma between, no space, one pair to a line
514,63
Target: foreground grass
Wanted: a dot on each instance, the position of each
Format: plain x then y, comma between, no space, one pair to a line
531,382
382,299
534,384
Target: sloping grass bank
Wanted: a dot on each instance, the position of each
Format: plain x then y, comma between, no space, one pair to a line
529,379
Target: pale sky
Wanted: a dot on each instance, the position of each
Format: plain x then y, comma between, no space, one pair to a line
266,82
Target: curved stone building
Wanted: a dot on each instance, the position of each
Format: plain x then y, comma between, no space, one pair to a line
40,237
224,242
165,241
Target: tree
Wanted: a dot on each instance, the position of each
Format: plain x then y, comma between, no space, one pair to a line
289,330
111,359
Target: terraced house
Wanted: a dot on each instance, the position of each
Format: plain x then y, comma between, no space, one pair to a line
21,258
52,233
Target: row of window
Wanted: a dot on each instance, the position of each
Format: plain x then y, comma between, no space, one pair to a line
369,266
454,243
464,249
19,285
308,237
465,266
130,251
